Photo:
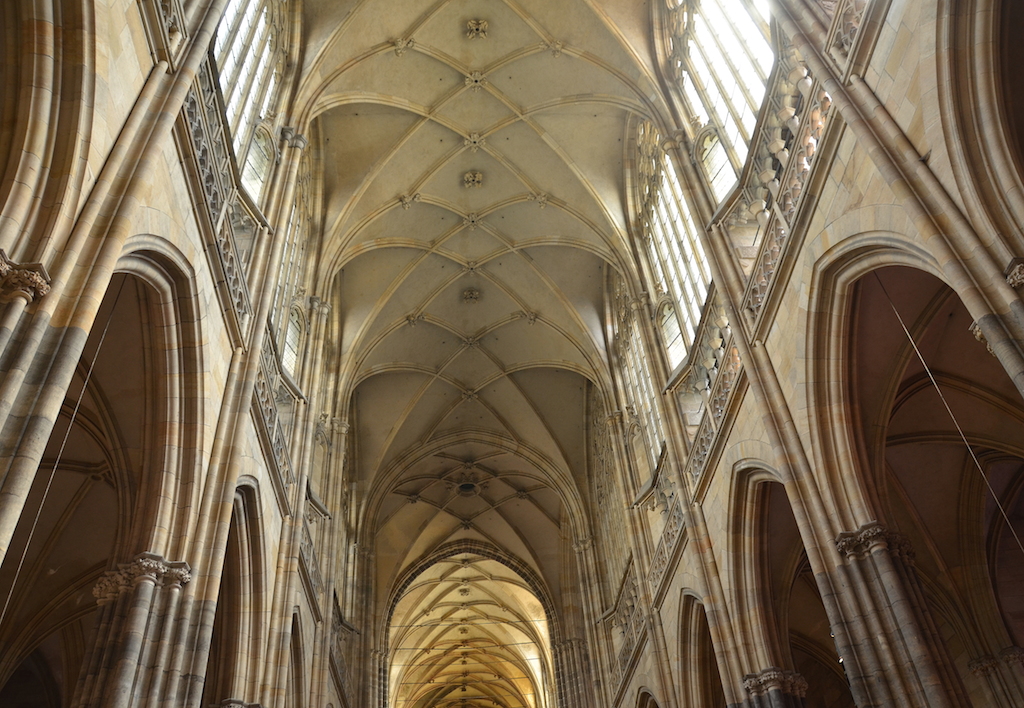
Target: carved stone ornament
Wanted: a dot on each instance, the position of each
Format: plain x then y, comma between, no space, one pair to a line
402,44
871,536
476,29
541,199
475,81
980,336
555,48
470,296
473,179
983,666
1013,656
775,679
474,142
406,200
471,221
25,280
146,565
1015,274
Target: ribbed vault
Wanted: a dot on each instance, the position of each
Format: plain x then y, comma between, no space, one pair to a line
474,185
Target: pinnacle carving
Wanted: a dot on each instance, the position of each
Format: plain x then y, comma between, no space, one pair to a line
146,565
25,280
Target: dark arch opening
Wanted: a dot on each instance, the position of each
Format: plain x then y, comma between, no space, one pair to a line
1011,59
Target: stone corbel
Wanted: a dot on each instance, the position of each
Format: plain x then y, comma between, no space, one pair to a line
25,280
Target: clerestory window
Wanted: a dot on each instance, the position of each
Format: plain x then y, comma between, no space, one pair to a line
289,284
249,58
721,57
679,266
640,391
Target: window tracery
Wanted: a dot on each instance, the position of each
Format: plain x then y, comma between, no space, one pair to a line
679,266
249,58
640,392
721,55
293,261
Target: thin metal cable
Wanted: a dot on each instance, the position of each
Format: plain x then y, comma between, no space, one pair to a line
952,417
60,453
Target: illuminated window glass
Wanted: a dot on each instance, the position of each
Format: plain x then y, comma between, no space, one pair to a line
641,394
679,265
722,55
257,163
292,337
294,258
248,56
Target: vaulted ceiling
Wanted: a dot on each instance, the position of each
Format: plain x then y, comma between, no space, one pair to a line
474,157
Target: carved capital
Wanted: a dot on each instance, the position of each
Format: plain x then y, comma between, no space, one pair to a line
980,336
983,666
1012,656
775,679
873,536
583,545
25,280
1015,273
146,566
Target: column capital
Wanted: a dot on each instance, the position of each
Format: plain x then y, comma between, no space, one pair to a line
145,566
775,679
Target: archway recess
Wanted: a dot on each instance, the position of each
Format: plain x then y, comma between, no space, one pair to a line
469,631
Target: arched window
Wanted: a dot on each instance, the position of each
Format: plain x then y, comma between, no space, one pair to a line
257,163
248,54
292,338
679,266
721,56
293,261
640,392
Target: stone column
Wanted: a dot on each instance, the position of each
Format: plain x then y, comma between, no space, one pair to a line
1003,675
892,621
137,631
775,688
